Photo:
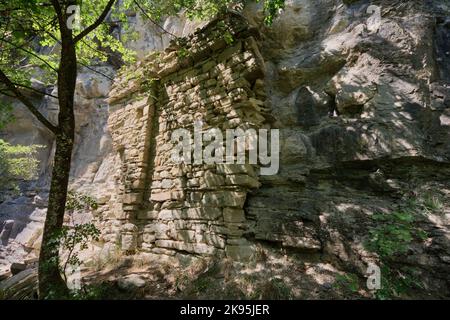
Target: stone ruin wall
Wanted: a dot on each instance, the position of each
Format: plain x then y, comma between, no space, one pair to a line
215,76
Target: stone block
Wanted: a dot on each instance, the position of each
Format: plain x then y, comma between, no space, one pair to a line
234,230
129,228
138,184
132,282
208,65
132,198
305,243
161,230
204,213
129,242
211,180
236,169
196,196
240,252
225,199
148,215
167,184
215,240
6,231
230,51
233,215
17,267
186,235
168,215
177,195
243,180
148,238
161,196
198,248
30,234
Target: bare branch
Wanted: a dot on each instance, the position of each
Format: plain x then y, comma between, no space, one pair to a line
97,22
5,80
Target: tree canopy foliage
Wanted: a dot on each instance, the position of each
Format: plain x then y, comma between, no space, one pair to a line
30,39
16,163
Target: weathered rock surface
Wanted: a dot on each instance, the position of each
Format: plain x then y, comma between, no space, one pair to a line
22,286
356,97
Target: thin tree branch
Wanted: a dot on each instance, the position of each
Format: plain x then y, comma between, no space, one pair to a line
97,50
51,35
80,63
67,261
96,71
35,90
44,29
152,20
5,80
97,22
29,52
7,94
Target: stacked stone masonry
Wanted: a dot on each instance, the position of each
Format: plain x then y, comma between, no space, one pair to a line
215,77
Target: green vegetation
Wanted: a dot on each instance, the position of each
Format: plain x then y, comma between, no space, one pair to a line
432,203
397,281
348,282
101,291
392,236
73,239
394,233
271,9
219,281
79,201
183,53
197,9
228,37
16,163
274,289
224,32
5,114
3,295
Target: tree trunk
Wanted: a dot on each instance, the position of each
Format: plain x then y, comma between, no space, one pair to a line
51,283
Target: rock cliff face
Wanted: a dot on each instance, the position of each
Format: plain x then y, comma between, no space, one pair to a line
360,93
360,103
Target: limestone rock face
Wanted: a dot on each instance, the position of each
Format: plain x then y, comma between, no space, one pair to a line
361,97
356,98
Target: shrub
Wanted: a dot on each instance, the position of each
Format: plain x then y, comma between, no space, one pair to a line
392,236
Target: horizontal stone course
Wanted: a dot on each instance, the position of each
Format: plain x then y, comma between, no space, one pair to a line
195,208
